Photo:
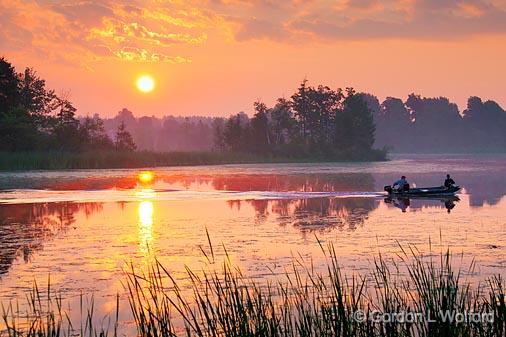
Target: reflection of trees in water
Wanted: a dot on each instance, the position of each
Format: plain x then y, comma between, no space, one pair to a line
317,214
485,188
306,214
71,183
25,227
98,183
297,182
233,182
276,182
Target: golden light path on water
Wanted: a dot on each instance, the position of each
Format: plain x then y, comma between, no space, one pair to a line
146,210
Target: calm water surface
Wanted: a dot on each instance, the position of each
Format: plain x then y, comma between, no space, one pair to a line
83,227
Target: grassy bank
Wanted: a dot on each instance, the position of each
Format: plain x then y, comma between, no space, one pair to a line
115,159
303,303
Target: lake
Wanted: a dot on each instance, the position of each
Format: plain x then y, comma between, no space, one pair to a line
83,228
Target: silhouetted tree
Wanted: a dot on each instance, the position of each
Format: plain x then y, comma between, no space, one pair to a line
36,99
93,135
124,140
35,118
325,104
66,126
260,133
15,124
485,125
9,87
25,106
394,125
354,126
316,122
301,109
218,127
437,122
282,124
235,133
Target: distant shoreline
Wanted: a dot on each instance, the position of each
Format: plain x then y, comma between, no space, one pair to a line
23,161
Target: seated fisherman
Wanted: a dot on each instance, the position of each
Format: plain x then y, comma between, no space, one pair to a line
449,182
401,184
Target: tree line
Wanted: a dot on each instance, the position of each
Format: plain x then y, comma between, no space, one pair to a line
416,124
167,133
315,122
421,124
34,118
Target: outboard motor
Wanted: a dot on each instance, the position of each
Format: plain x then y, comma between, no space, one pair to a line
388,189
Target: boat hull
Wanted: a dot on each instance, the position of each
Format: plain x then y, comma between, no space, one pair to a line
427,191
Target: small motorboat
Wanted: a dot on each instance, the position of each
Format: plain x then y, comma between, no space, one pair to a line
423,191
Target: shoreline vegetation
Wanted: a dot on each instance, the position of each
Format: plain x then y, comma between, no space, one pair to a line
411,295
53,160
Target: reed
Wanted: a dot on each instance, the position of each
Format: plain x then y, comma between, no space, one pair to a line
43,315
221,301
54,160
424,297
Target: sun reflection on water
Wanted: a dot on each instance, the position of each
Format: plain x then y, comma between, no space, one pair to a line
146,177
145,212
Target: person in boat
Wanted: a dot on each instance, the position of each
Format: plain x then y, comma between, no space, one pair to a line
449,182
401,184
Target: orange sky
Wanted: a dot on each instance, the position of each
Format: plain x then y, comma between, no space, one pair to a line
215,57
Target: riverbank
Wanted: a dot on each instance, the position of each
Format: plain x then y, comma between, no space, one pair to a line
114,159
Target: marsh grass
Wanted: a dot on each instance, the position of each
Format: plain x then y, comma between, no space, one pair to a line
116,159
307,303
220,301
54,160
43,315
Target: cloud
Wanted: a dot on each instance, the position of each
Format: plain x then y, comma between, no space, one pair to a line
369,19
85,31
142,55
427,19
82,32
119,31
85,13
257,29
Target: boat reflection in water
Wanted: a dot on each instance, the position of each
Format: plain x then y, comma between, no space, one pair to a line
403,203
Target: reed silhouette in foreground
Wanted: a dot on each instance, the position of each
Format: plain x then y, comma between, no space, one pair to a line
305,302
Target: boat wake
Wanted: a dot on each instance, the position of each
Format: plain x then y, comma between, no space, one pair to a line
25,196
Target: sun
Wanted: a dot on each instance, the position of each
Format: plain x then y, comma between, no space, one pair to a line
145,83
